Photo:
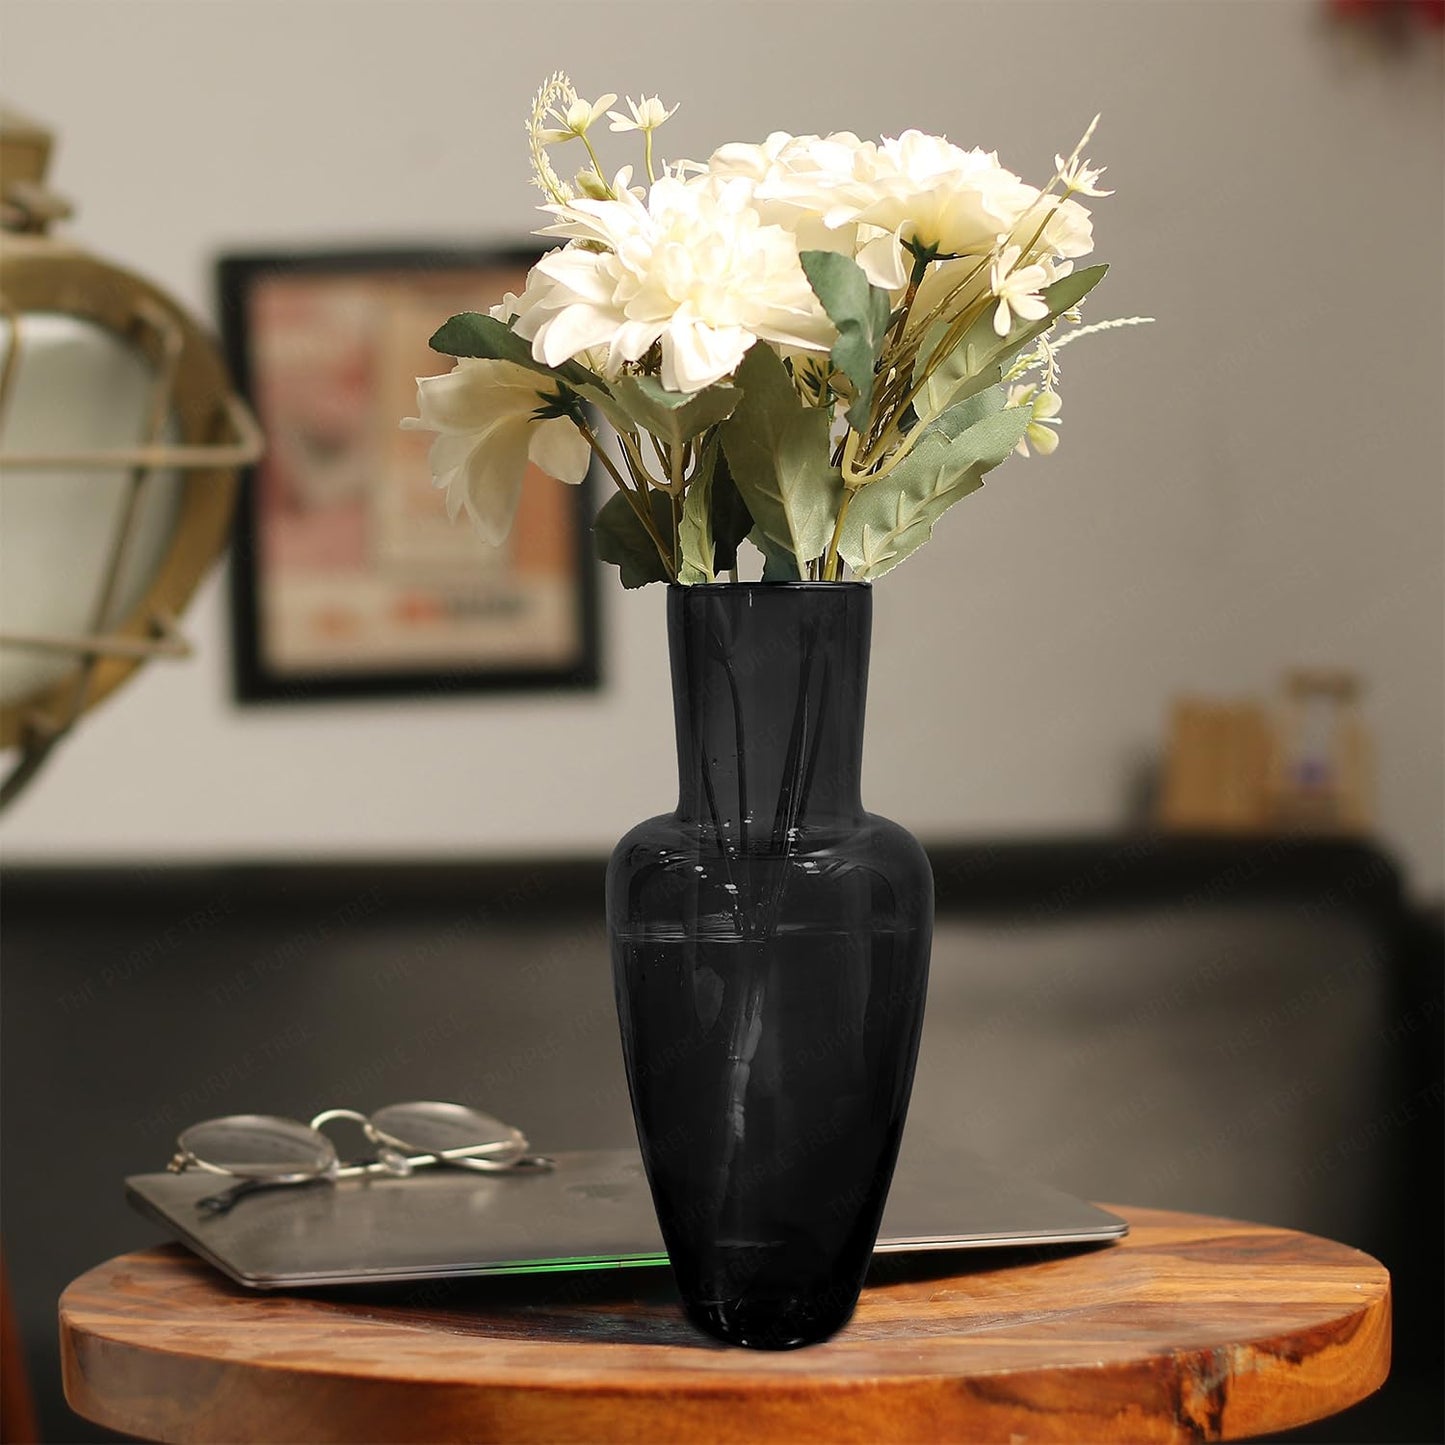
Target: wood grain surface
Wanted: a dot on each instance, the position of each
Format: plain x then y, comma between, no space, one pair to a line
1190,1329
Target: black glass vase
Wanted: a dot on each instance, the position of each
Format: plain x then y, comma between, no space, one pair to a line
770,945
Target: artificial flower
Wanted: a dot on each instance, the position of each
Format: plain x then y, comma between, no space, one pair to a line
575,117
693,269
934,195
672,282
1017,288
948,288
647,114
797,182
1040,431
588,183
1055,226
1078,178
491,419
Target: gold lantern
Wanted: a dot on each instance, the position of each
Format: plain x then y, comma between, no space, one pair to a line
121,443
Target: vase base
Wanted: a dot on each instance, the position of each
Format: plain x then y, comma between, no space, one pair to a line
771,1324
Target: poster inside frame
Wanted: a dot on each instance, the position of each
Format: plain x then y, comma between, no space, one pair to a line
348,579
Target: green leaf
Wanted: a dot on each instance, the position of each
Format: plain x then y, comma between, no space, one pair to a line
470,333
860,312
623,540
694,528
731,520
673,417
474,335
778,564
978,360
893,517
714,520
958,418
599,396
778,451
630,403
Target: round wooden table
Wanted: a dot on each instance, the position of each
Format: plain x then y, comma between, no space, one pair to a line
1192,1328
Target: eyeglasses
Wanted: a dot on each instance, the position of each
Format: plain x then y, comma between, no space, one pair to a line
261,1151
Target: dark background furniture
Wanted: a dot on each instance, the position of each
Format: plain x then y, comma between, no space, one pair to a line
1249,1029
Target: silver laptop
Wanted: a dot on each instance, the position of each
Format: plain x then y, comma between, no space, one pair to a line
593,1211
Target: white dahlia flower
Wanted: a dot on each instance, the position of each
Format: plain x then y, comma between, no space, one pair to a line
930,192
692,267
804,183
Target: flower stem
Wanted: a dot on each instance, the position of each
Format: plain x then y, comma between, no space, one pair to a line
915,280
643,477
907,350
1026,256
636,499
950,338
901,387
590,437
597,166
832,572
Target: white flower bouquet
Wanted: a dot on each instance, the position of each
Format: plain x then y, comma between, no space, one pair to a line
816,345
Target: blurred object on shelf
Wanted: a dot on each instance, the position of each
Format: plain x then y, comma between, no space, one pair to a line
1393,14
1320,774
1389,23
120,443
1217,768
1243,767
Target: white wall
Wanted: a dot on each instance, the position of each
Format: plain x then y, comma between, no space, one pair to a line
1256,483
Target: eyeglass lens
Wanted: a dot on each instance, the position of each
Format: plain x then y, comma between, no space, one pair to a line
445,1129
255,1146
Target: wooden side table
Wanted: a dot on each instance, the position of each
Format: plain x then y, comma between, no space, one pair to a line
1190,1329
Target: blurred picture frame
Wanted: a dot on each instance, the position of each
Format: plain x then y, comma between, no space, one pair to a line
348,580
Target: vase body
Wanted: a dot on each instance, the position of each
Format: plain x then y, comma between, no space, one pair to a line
770,946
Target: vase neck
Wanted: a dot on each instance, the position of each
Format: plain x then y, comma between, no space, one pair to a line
769,683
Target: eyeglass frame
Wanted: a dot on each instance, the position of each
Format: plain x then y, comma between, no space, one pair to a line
391,1156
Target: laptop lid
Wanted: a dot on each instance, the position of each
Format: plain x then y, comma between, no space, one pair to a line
593,1211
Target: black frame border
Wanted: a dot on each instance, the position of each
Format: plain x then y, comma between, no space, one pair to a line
252,680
